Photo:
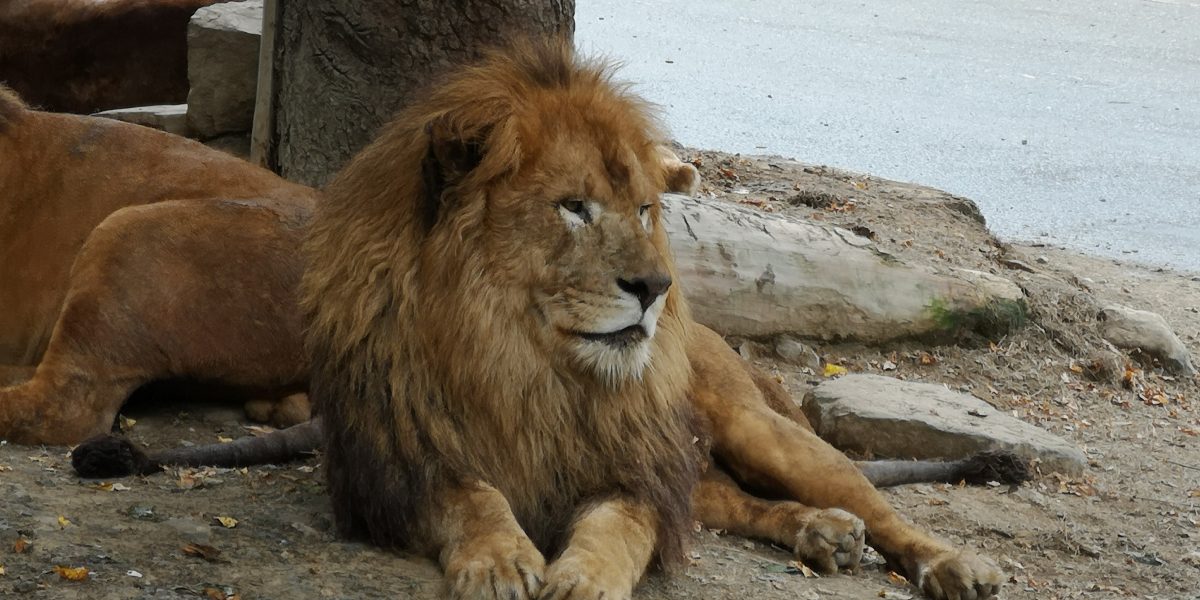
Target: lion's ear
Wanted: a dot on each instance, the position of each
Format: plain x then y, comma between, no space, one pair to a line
451,155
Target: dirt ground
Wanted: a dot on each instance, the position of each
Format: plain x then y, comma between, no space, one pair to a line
1129,528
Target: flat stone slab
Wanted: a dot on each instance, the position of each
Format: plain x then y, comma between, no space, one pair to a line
890,418
171,118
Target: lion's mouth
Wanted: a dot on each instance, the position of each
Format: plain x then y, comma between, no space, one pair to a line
621,337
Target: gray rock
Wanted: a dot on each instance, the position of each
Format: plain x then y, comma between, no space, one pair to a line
223,67
754,274
797,352
1146,331
891,418
171,118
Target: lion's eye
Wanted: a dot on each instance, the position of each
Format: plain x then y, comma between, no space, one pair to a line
643,209
577,209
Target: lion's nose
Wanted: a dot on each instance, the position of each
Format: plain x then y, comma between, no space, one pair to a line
646,289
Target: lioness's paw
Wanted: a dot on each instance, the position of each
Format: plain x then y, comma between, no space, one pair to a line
831,539
583,577
496,569
960,575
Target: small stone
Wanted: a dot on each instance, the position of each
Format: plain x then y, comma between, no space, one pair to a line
1018,265
797,352
1041,259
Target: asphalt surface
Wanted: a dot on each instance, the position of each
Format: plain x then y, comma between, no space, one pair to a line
1074,122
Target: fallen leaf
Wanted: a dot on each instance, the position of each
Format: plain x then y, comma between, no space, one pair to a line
223,439
202,551
832,370
927,359
126,423
120,487
63,522
897,579
21,545
1,570
227,522
804,570
72,573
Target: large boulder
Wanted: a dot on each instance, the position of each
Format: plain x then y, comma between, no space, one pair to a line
1148,332
754,274
890,418
223,67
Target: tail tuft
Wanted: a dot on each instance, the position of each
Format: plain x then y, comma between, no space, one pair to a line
106,456
1002,466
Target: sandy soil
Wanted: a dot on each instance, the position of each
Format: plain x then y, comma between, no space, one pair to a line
1129,528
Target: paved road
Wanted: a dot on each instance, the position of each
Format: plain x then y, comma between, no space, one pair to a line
1075,121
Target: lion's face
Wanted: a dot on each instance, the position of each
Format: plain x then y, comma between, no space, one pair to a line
590,229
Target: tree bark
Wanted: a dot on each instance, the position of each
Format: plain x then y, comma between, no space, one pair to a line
343,67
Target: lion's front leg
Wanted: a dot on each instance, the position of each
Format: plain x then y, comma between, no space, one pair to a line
825,539
483,550
607,554
770,451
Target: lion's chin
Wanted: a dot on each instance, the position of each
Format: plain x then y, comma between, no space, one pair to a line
614,361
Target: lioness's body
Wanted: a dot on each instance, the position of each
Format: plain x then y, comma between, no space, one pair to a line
148,268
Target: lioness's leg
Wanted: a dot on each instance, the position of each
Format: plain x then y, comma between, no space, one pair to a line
609,549
72,394
825,539
483,550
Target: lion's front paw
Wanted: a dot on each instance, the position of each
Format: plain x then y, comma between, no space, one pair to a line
960,575
831,539
584,577
496,568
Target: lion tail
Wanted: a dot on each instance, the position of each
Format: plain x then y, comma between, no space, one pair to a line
1000,466
107,456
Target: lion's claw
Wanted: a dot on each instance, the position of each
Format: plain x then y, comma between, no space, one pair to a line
960,576
832,539
502,571
576,578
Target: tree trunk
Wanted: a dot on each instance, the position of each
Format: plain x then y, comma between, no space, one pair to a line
343,67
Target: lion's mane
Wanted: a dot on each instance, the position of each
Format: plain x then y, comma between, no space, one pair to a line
422,364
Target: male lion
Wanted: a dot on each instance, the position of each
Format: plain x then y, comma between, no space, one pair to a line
125,254
507,373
